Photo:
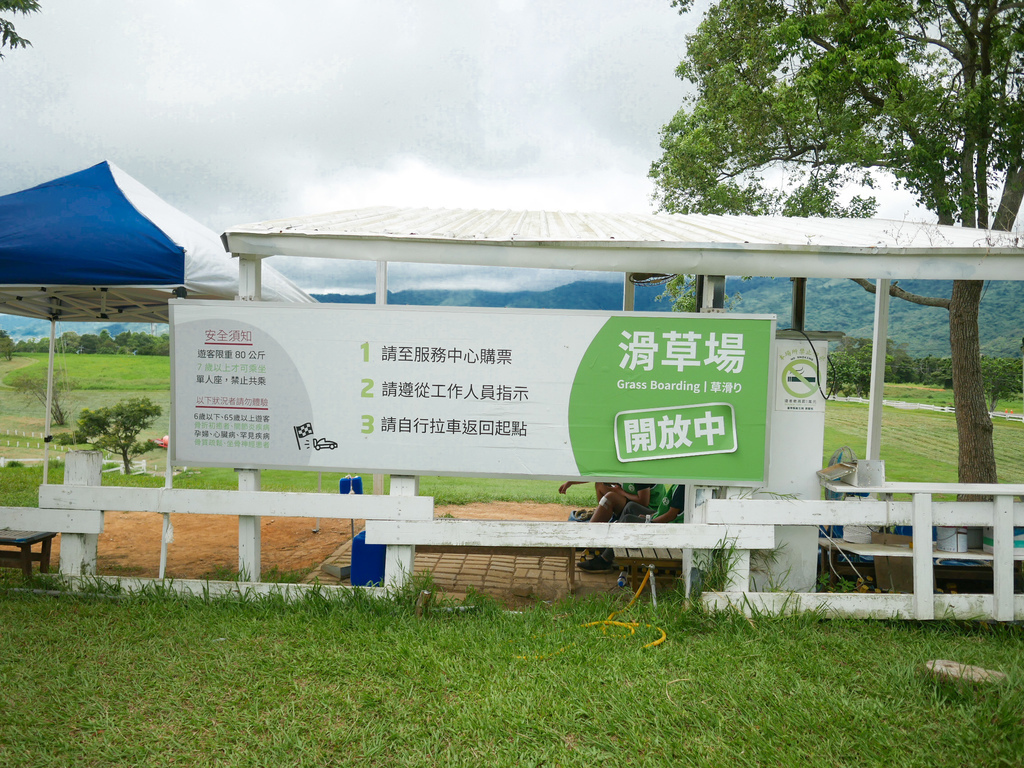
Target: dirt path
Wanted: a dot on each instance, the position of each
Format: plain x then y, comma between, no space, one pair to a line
206,546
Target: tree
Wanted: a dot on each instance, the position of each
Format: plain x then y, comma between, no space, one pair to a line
116,427
6,345
8,36
33,387
823,93
1002,378
850,367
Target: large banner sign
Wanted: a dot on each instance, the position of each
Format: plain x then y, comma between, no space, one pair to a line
433,391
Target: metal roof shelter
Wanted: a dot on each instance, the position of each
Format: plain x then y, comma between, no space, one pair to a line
645,243
702,245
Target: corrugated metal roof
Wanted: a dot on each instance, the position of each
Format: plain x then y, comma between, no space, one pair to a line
810,247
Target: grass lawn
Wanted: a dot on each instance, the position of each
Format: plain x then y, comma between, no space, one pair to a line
159,680
153,679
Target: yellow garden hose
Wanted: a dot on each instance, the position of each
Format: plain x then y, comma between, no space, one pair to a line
610,622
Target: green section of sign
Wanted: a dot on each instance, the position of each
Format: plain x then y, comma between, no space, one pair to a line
678,396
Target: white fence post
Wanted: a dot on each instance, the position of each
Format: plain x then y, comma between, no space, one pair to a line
78,550
249,530
924,576
398,560
1002,558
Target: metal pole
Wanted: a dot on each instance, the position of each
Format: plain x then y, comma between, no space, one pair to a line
878,350
49,402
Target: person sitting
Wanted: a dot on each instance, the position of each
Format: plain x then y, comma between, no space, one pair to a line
670,505
615,495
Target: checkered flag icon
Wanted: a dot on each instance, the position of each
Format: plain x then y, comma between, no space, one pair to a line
301,431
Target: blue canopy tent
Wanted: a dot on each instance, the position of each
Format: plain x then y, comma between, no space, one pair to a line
97,245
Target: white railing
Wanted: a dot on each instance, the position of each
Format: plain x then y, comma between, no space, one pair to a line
1001,515
400,521
1006,415
403,520
5,461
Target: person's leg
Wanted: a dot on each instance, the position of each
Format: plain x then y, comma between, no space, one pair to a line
629,512
603,489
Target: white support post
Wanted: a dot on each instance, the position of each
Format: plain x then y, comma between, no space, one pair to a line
398,561
249,530
628,294
696,513
250,277
924,577
381,299
78,550
250,288
1002,558
878,350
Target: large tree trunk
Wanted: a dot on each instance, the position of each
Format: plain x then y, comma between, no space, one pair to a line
977,459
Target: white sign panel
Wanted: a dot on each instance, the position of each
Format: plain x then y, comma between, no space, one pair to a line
800,373
468,391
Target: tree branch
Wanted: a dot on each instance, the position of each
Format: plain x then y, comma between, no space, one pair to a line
899,293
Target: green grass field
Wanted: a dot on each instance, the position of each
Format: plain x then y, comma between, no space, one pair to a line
158,680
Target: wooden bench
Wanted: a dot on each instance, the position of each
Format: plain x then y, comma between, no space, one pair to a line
16,550
636,561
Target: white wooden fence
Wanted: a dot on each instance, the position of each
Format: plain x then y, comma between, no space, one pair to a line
922,512
403,519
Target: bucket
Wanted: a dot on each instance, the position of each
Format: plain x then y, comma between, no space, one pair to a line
950,538
367,562
350,485
857,534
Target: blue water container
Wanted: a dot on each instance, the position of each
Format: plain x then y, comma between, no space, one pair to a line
367,562
350,485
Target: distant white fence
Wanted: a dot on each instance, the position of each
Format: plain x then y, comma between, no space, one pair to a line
4,461
1006,414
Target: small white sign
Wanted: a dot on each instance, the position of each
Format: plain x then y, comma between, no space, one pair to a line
801,367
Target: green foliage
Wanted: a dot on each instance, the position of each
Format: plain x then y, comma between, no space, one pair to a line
32,385
6,345
125,343
1002,378
850,367
9,37
825,92
115,428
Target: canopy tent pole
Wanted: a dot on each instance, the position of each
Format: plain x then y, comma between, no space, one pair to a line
167,531
878,350
49,401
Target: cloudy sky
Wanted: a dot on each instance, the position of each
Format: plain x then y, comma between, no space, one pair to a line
237,111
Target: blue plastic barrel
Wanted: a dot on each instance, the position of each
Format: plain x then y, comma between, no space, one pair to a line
367,562
350,485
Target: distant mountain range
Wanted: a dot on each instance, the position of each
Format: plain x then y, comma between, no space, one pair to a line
832,305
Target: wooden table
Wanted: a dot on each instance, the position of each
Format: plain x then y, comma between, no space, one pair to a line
665,562
16,550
